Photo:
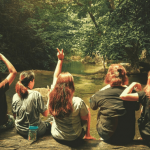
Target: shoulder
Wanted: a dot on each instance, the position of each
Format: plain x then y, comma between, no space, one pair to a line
141,94
76,100
79,105
15,97
34,93
105,87
99,94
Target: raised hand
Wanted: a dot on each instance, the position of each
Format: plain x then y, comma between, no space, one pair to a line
60,54
137,86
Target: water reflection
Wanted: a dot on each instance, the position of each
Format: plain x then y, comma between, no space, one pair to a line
74,67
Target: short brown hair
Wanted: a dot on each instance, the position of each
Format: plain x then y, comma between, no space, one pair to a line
116,75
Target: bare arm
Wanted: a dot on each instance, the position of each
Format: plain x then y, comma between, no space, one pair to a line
58,69
127,95
88,118
11,68
45,113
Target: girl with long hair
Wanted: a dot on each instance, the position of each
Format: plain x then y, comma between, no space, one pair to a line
6,120
68,111
115,118
144,98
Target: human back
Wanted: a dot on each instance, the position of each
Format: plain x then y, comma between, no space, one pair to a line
143,97
28,110
27,105
70,128
116,118
67,111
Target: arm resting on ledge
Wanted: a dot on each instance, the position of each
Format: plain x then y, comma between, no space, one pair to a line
88,118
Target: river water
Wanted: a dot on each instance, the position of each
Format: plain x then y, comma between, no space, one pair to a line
87,82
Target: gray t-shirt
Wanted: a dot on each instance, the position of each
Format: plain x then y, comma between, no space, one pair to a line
70,128
28,111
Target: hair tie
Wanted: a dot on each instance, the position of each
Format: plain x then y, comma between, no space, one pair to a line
116,73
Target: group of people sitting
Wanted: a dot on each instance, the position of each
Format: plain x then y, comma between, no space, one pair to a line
71,117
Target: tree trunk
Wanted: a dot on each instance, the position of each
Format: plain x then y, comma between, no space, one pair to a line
133,56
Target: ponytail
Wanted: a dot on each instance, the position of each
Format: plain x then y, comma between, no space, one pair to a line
21,90
22,85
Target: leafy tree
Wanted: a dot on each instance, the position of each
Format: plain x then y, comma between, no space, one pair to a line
31,30
119,30
128,28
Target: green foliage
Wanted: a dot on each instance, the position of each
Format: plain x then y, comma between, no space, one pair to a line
31,30
3,67
127,29
119,29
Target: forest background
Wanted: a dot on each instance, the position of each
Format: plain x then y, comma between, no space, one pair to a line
31,30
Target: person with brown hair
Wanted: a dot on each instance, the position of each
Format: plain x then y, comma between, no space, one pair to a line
116,118
27,105
68,111
144,98
6,120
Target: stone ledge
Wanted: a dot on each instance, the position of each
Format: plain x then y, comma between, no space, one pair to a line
10,140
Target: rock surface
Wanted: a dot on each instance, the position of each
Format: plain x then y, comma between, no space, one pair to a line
10,140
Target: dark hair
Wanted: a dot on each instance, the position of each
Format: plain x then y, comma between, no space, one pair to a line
116,75
22,85
60,105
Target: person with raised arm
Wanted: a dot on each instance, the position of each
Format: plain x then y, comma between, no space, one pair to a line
115,118
6,120
144,99
27,105
68,111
